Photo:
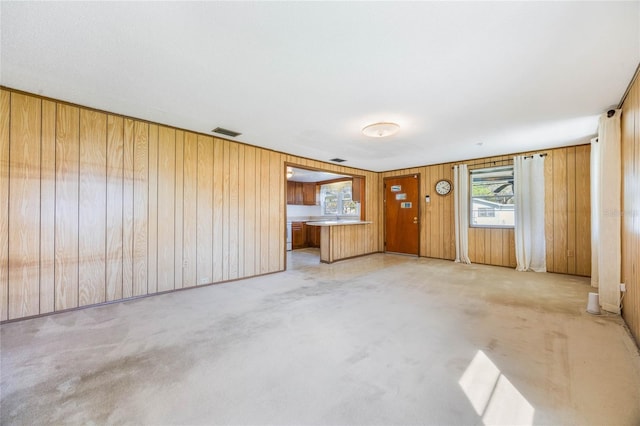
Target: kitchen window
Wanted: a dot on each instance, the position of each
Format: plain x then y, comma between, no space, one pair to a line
492,199
336,199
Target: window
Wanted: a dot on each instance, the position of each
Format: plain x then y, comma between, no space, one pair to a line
492,197
336,199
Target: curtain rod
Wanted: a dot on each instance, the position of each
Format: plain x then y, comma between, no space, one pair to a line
626,92
493,163
489,162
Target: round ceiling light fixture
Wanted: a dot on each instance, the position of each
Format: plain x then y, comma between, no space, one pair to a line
381,130
289,173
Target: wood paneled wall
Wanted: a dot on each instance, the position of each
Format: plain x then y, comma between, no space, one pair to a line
97,207
631,208
568,224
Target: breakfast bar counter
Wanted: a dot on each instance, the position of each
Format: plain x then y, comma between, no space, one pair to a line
341,239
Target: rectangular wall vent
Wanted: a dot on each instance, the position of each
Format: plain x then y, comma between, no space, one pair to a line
338,160
226,132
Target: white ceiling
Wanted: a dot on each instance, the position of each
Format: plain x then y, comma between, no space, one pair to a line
463,80
305,175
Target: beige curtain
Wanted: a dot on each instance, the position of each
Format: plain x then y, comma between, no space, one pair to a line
528,173
461,212
605,212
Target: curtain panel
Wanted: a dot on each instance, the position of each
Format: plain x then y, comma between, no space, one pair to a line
528,176
461,212
605,212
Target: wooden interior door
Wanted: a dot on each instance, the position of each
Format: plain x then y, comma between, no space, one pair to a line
401,221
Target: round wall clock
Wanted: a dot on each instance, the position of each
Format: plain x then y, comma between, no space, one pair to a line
443,187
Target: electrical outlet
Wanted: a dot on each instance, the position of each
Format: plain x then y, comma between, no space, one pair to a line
623,287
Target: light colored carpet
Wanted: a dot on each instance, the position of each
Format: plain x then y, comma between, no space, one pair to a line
382,339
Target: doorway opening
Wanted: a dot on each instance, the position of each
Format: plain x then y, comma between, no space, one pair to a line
314,196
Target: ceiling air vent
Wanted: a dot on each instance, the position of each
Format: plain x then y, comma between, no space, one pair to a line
338,160
226,132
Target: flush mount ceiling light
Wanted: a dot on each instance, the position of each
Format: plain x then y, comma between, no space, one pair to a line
289,172
380,130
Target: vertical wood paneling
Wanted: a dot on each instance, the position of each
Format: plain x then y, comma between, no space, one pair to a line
487,246
128,209
505,247
512,250
449,226
325,235
226,215
234,213
441,219
140,208
631,223
179,208
24,208
47,207
282,214
92,207
166,208
190,209
265,162
633,254
571,210
480,246
204,247
276,186
66,221
218,208
435,236
241,211
630,132
549,210
5,113
583,211
250,197
152,228
472,245
560,212
496,246
115,194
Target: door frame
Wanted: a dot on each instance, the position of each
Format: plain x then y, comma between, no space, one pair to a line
384,212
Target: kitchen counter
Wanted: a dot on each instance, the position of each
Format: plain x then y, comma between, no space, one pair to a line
321,218
340,239
338,222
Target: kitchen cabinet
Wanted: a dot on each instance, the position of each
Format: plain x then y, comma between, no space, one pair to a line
358,194
291,192
298,235
294,193
300,193
313,236
309,194
356,190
